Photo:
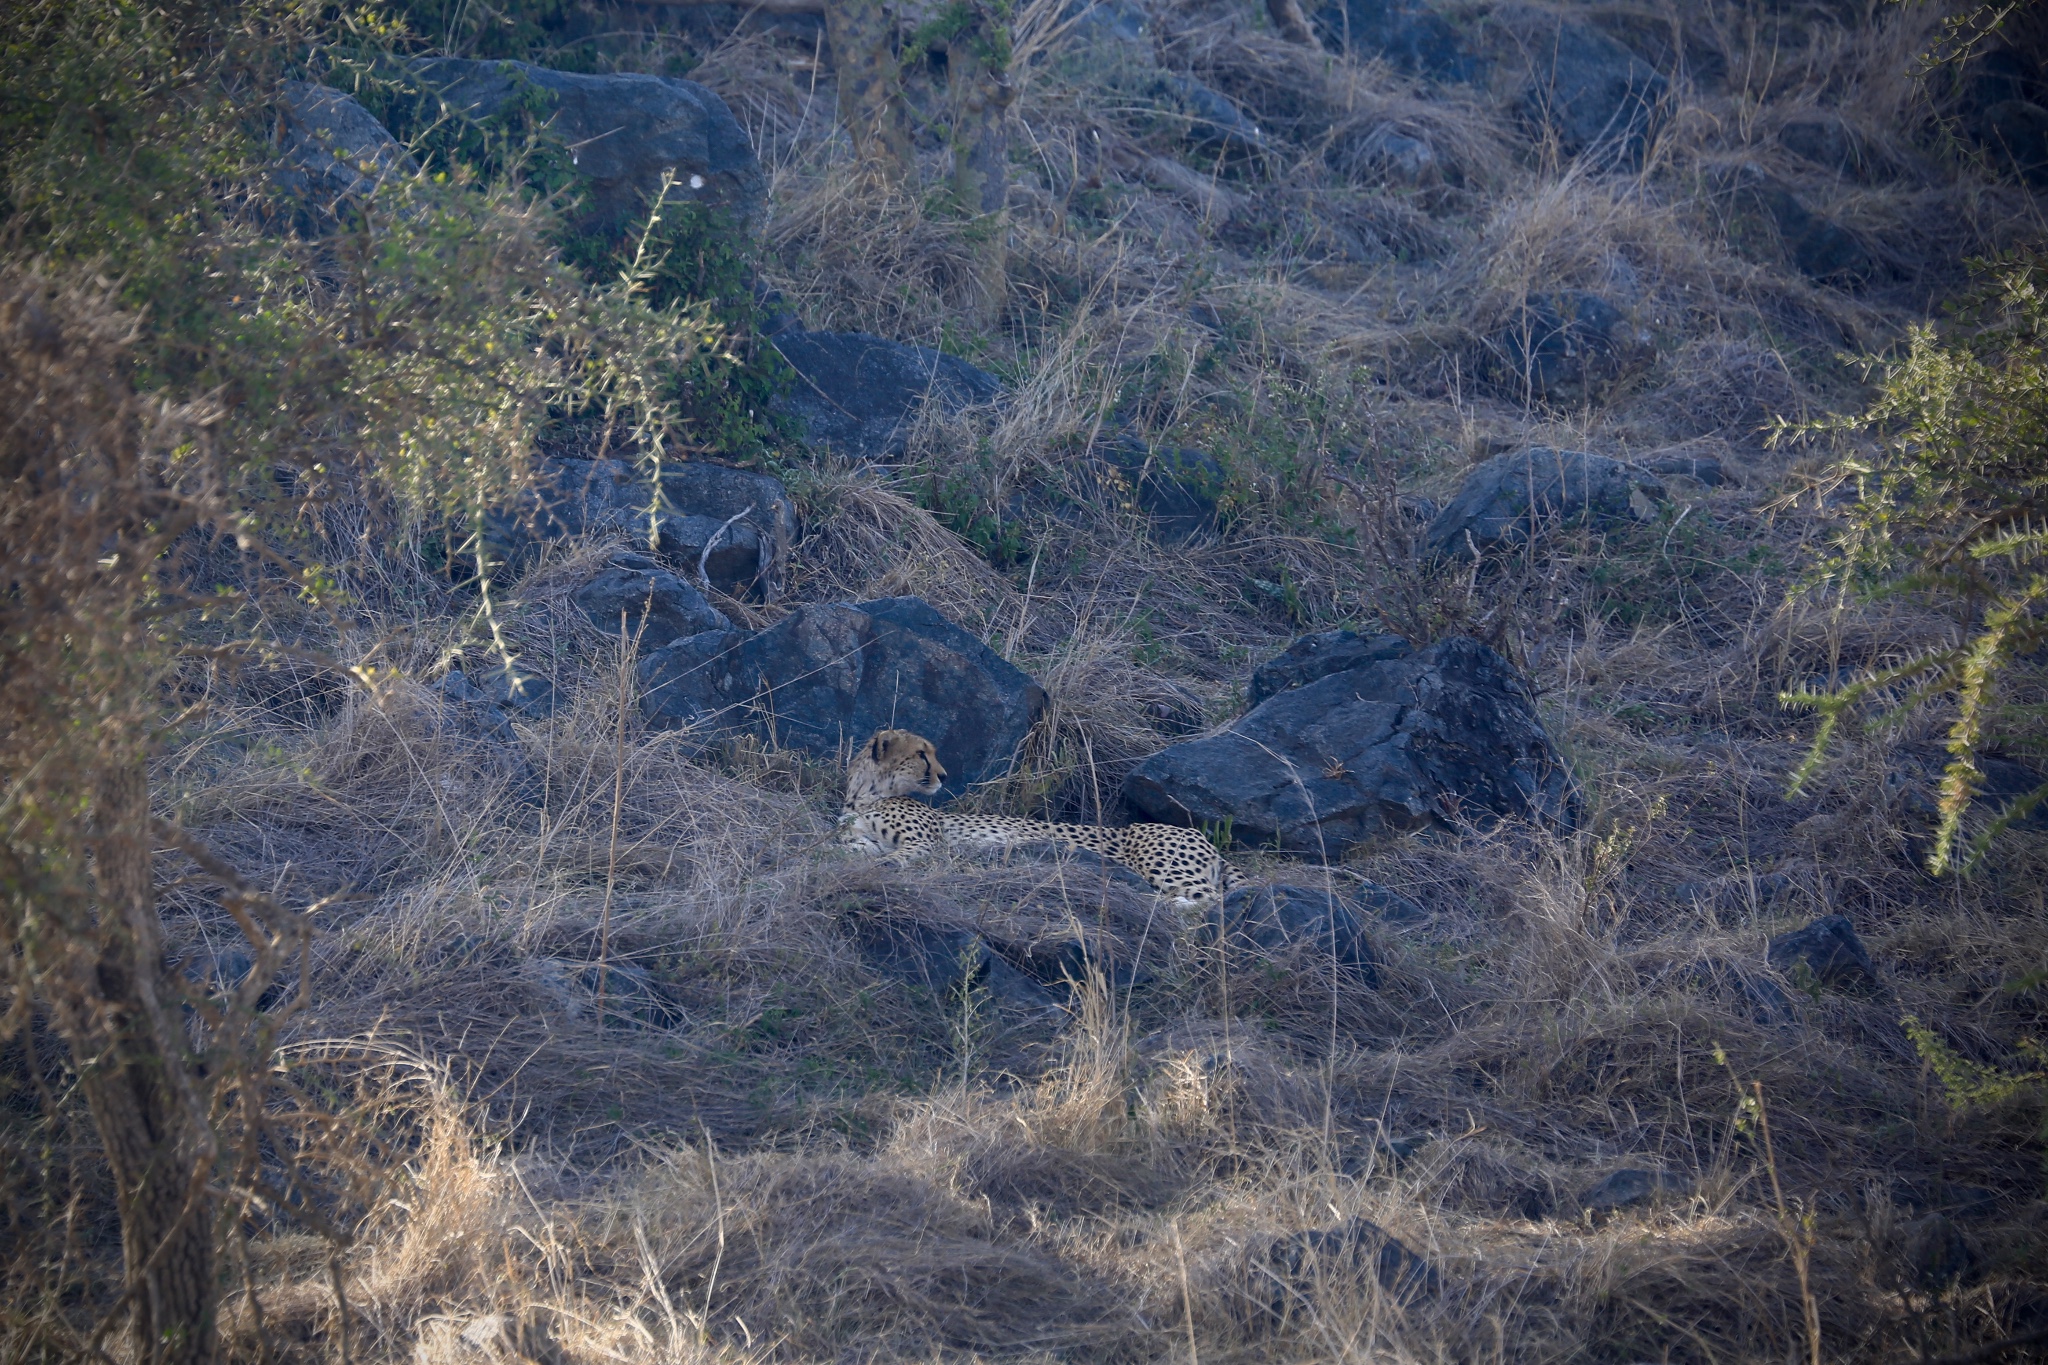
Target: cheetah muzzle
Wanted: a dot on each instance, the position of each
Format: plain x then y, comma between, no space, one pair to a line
882,817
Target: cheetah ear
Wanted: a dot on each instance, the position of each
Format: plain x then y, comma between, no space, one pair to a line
875,748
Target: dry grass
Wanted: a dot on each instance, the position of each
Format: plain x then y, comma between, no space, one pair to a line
773,1148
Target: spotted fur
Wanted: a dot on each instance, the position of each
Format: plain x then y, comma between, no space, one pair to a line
883,817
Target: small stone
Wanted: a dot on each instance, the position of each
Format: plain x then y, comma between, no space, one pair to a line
1567,346
860,394
515,686
1627,1189
1300,1264
1510,498
648,603
1828,951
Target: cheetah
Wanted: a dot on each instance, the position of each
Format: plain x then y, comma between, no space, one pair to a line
882,817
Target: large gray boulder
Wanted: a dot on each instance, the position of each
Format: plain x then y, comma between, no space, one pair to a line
625,131
1174,489
1443,736
1818,246
330,148
826,677
652,606
1593,95
1293,928
745,519
1510,498
1568,346
1318,656
1404,33
859,394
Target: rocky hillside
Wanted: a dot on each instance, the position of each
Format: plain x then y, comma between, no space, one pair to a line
1395,438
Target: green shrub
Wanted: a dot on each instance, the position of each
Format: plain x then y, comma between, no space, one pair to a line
1952,509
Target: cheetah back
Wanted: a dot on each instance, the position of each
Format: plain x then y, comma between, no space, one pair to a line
1178,861
896,827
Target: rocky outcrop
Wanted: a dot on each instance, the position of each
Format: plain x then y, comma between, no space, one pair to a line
332,149
1300,1265
1403,33
859,394
1283,927
826,677
1827,952
1590,92
746,520
1174,489
624,132
1446,735
1567,347
1816,245
1511,498
1318,656
652,606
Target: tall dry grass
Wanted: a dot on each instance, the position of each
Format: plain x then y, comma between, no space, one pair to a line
767,1144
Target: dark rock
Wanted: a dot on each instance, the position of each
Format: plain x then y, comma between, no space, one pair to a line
699,501
1510,498
1827,950
1390,905
826,677
1087,864
1593,94
1066,965
1631,1189
860,394
1937,1255
332,148
1567,347
1318,656
1701,469
1417,509
1175,489
223,971
515,686
1915,773
1389,154
1404,34
1446,735
1294,927
1825,142
473,703
631,994
1299,1264
944,960
1747,988
624,131
1817,246
656,607
2015,133
1202,117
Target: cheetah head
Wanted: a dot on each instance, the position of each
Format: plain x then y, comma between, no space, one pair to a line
893,763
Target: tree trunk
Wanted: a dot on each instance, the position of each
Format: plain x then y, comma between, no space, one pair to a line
863,38
136,1081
